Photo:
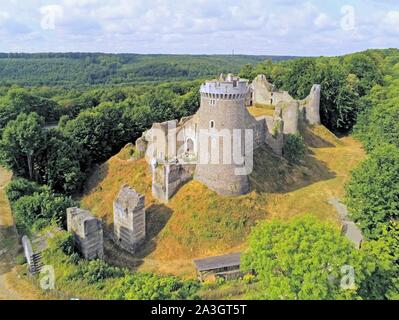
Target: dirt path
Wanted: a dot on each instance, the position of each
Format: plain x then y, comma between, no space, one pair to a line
8,249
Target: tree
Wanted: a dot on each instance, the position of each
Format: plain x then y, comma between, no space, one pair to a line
188,104
304,259
384,281
22,141
294,148
38,210
372,195
62,164
20,100
366,70
149,286
99,131
300,77
20,187
379,123
247,72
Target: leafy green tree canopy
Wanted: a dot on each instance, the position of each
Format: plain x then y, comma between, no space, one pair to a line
372,194
294,148
303,259
22,141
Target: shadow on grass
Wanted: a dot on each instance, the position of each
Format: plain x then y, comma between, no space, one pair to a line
94,180
8,248
157,216
274,174
316,141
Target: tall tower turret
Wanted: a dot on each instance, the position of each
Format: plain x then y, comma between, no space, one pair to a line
221,141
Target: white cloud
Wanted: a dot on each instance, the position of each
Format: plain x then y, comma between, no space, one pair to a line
299,27
4,16
391,21
79,3
323,21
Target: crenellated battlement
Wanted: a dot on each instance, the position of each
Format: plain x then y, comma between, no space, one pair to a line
225,88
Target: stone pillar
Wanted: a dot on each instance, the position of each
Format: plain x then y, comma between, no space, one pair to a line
313,109
87,233
129,219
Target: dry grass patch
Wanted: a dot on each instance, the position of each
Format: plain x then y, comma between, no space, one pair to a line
107,180
257,112
204,223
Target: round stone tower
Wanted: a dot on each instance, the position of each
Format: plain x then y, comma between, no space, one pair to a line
221,135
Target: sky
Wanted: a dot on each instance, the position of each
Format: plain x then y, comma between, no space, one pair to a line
258,27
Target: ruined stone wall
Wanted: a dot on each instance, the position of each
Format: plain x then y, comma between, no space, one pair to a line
223,109
310,106
141,146
87,233
275,135
290,114
259,128
169,140
293,111
265,93
169,178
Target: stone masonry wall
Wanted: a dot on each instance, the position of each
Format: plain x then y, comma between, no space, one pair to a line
129,219
169,178
87,233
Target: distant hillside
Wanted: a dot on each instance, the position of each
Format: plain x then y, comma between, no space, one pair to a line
96,68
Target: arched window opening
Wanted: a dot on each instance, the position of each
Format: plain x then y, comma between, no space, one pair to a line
190,146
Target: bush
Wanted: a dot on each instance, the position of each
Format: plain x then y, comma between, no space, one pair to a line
249,278
294,148
96,271
65,243
20,259
148,286
20,187
40,209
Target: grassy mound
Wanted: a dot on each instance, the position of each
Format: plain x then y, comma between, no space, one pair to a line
197,222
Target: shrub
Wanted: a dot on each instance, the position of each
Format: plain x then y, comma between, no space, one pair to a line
65,243
20,259
96,271
20,187
40,209
148,286
294,148
249,278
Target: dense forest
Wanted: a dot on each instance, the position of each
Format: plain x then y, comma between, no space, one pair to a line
359,97
95,68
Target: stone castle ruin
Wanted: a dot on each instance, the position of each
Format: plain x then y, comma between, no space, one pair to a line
292,111
215,146
129,219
